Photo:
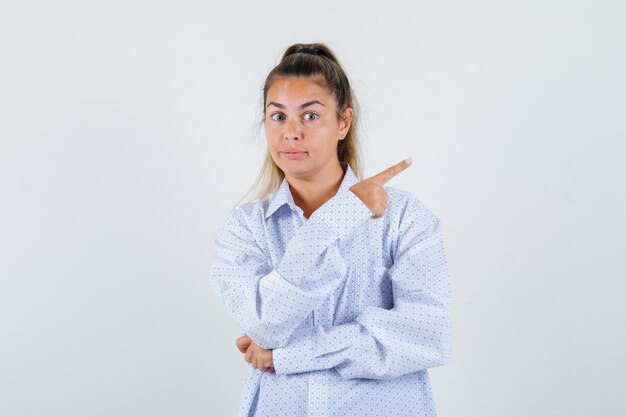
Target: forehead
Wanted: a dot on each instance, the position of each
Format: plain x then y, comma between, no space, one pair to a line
293,90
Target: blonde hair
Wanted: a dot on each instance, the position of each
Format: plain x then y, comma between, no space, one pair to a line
317,60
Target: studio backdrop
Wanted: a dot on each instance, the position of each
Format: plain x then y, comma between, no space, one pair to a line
129,130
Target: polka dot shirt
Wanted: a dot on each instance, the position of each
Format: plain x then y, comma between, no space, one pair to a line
355,308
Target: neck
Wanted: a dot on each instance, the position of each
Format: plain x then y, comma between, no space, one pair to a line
311,193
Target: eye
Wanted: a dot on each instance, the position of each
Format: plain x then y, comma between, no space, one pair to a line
313,116
276,117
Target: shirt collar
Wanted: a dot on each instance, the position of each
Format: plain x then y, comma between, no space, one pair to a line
283,195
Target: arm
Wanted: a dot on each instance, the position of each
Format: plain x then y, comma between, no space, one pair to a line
269,303
383,344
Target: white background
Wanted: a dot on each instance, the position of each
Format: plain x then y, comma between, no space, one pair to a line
129,129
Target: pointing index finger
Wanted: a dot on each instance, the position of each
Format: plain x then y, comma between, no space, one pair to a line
386,175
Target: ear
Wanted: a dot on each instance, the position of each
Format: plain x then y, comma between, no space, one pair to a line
344,122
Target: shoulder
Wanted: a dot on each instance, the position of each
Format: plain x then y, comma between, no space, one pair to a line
246,216
252,209
406,202
405,208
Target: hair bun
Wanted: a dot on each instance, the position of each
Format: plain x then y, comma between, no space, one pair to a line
313,51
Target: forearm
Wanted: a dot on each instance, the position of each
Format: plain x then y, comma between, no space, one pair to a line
269,309
381,345
385,343
269,303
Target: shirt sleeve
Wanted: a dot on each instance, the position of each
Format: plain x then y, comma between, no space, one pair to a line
387,343
269,303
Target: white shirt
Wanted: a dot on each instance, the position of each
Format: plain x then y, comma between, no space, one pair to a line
355,308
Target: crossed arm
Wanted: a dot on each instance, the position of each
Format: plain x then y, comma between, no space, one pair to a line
375,198
379,343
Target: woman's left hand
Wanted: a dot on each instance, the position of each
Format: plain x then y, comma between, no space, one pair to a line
259,358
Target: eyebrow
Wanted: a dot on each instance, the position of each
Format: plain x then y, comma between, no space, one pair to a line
308,103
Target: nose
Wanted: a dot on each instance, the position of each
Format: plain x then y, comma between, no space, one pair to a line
292,129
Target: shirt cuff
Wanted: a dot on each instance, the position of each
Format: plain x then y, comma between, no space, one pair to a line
316,348
294,358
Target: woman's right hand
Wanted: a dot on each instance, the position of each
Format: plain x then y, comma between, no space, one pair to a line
371,191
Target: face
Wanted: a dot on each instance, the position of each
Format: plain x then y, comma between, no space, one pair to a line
302,127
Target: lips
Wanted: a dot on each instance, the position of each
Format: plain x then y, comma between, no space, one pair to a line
292,153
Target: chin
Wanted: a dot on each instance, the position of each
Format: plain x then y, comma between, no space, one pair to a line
296,170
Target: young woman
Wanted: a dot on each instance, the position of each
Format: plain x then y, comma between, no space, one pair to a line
340,285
